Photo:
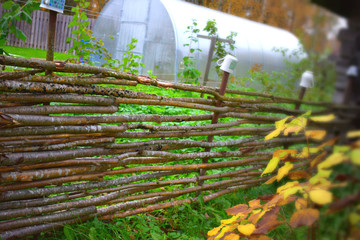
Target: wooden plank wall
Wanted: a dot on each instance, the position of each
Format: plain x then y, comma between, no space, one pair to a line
37,32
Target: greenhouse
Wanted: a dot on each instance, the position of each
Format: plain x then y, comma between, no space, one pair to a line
160,26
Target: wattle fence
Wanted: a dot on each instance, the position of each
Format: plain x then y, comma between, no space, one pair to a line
71,150
37,32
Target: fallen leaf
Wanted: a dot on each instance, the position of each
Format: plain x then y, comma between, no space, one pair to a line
246,229
315,134
284,170
355,156
320,196
299,174
304,217
271,165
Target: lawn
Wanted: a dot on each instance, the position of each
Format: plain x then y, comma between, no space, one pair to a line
34,53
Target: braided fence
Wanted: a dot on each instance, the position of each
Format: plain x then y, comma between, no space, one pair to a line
69,154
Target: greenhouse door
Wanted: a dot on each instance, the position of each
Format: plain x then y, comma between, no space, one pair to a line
133,24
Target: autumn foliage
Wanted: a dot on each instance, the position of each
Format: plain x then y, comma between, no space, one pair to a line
306,20
311,176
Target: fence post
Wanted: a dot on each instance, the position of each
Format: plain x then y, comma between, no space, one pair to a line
351,73
228,67
307,81
51,38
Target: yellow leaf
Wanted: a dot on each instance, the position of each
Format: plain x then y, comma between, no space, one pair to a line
320,196
284,170
273,134
300,203
296,125
214,231
319,179
341,149
229,221
271,165
353,134
287,185
271,180
332,160
291,191
318,159
295,129
223,231
232,236
315,134
324,173
355,156
354,218
246,229
283,153
254,203
326,118
281,123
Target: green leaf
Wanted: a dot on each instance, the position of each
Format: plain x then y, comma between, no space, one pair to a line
26,17
20,34
7,5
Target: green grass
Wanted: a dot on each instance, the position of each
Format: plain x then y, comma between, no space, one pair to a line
34,53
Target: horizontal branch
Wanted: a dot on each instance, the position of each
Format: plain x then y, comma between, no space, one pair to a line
21,74
77,80
51,147
70,214
64,98
58,109
42,192
45,130
35,120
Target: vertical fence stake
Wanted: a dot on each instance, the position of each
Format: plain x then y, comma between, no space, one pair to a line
307,80
301,96
51,38
228,67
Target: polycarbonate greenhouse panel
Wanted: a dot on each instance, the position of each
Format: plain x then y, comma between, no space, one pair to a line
160,26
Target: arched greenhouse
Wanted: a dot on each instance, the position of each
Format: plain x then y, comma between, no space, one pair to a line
160,25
